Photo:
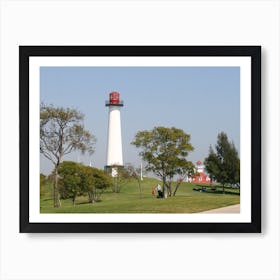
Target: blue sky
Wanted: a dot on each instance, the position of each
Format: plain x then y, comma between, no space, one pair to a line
202,101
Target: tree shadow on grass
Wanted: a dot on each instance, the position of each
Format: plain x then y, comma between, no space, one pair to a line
226,192
215,190
46,199
87,202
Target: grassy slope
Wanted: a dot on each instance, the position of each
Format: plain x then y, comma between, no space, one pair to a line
129,200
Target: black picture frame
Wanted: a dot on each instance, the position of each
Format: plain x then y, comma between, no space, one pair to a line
254,52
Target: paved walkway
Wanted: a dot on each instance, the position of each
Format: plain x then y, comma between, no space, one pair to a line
225,210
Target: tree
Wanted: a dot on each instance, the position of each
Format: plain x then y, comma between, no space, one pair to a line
62,132
77,179
224,164
211,164
95,182
70,180
165,151
87,183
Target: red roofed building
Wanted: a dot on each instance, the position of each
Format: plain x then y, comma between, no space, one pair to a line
203,177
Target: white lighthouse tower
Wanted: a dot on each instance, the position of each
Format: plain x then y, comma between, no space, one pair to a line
114,144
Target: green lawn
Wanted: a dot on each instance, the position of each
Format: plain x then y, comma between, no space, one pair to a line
130,201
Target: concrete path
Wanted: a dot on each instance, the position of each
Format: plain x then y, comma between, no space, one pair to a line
225,210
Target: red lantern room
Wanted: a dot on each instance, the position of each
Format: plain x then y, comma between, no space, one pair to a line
114,99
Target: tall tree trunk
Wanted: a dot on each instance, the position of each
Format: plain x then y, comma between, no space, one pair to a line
55,191
91,197
169,188
176,188
164,190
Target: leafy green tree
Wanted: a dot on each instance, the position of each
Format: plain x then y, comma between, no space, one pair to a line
62,132
224,164
94,181
70,180
211,164
77,179
86,179
165,151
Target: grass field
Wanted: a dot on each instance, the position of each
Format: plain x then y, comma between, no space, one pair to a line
130,201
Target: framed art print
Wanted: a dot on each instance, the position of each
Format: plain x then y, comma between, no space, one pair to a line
140,139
